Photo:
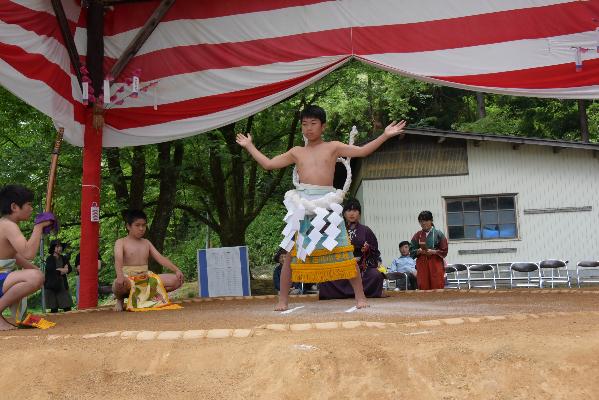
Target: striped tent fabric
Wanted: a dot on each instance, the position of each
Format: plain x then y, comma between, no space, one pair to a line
209,63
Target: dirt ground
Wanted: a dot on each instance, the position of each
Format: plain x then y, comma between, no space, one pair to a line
434,345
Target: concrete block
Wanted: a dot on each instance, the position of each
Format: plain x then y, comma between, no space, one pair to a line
300,327
219,333
277,327
129,334
146,335
170,335
242,333
374,324
431,322
452,321
326,325
351,324
194,334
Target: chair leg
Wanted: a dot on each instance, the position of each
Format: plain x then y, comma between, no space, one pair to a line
511,278
469,283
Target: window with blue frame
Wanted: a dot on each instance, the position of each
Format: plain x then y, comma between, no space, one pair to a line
481,217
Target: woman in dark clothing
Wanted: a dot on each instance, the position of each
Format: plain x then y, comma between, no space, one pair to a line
366,252
56,286
279,258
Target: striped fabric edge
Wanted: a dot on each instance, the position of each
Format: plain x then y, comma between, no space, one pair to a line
580,92
161,129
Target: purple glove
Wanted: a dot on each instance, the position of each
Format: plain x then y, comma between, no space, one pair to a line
47,216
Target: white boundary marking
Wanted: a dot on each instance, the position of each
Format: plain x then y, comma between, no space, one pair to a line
292,310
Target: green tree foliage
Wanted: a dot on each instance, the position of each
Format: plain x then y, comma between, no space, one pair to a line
531,117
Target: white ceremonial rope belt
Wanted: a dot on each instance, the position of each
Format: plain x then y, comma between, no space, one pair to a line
326,209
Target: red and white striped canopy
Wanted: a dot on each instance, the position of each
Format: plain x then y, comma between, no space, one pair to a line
216,62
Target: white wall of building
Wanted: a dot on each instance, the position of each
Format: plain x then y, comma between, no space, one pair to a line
541,179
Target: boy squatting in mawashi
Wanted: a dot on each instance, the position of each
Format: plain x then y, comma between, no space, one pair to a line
15,249
321,251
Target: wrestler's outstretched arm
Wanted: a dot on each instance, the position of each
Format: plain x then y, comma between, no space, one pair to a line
393,129
277,162
166,263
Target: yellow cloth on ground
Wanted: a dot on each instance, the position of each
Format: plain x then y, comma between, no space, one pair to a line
35,321
147,291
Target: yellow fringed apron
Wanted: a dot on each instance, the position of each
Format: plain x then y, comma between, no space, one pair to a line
323,265
147,291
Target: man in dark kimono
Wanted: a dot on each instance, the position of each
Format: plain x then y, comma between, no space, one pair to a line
429,248
366,252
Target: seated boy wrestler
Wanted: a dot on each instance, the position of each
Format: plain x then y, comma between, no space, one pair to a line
15,249
131,256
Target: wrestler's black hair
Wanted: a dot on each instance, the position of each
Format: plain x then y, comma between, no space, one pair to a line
425,216
403,243
313,111
131,216
278,254
352,204
13,194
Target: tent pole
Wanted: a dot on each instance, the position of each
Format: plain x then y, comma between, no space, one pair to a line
92,157
90,197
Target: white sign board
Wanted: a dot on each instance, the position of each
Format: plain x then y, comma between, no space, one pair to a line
224,271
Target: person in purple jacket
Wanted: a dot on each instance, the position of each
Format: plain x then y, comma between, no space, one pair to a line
367,254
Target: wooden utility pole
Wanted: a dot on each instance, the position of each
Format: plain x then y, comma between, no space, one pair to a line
584,120
481,111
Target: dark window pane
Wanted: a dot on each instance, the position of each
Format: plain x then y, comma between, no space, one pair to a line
488,217
508,231
506,203
456,232
490,231
472,232
472,218
455,219
488,203
507,216
454,205
471,205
